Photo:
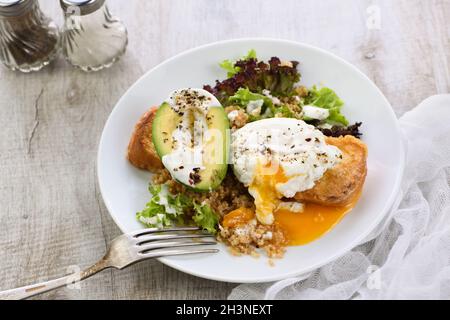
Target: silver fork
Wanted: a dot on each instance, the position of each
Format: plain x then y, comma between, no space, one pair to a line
126,250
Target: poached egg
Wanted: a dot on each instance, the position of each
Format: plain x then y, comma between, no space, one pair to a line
277,158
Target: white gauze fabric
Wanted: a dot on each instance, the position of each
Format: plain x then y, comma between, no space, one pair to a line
408,255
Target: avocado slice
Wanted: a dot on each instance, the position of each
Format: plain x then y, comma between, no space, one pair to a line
204,176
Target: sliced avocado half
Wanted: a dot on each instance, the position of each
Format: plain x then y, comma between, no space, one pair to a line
215,150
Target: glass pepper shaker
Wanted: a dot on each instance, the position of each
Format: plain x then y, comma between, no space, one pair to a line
92,38
28,39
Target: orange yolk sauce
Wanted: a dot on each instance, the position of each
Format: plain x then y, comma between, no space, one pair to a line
314,222
299,228
238,217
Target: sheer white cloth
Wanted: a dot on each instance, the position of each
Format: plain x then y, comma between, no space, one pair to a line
408,256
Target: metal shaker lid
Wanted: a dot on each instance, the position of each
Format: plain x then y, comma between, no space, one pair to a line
84,6
11,8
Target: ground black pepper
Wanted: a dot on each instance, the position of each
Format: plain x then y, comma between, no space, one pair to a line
28,39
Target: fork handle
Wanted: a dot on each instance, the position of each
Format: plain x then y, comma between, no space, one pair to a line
33,290
30,291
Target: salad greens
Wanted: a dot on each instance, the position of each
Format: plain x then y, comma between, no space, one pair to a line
284,111
205,217
251,55
322,98
251,80
275,76
327,99
165,210
231,67
244,96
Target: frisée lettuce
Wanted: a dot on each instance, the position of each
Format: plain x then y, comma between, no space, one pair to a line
165,210
205,217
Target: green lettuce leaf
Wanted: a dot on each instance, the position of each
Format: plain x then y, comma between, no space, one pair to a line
327,99
324,98
230,66
243,96
205,218
337,118
165,210
284,111
250,55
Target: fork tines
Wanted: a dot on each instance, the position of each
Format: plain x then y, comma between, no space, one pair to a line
159,242
140,233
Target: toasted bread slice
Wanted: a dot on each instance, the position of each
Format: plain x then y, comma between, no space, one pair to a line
141,151
340,185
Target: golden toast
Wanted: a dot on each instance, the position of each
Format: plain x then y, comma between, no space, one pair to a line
141,150
340,185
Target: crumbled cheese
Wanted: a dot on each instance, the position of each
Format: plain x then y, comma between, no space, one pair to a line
245,230
233,115
317,113
286,63
295,207
325,126
254,108
268,236
275,100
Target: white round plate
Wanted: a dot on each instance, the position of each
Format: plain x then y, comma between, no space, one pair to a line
124,188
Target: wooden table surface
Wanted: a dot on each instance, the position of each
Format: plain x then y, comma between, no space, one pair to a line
51,212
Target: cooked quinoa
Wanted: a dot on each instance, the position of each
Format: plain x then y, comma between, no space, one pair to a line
230,196
246,239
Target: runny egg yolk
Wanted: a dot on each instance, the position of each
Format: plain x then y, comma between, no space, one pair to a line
311,224
299,228
238,218
264,191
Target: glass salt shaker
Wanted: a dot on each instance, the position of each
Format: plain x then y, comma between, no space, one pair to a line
92,38
28,39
